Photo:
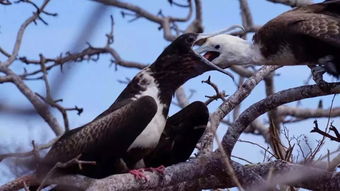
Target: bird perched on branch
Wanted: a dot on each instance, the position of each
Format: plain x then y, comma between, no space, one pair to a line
130,129
304,35
177,142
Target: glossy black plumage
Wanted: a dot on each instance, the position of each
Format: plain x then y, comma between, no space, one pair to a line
180,136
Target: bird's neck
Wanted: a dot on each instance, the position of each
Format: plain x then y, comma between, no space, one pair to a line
157,82
179,69
145,84
257,57
251,54
240,52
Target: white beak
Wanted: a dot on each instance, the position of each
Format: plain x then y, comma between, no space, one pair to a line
203,49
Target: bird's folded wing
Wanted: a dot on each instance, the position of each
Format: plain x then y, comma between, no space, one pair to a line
115,131
180,136
322,27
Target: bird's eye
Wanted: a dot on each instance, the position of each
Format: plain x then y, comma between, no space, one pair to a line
190,39
217,46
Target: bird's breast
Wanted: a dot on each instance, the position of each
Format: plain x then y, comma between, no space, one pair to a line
151,134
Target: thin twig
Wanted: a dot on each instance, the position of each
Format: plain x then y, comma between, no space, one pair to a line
64,165
256,144
318,147
218,93
21,32
324,133
29,153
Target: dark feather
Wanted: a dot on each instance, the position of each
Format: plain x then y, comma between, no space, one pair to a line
180,136
101,139
109,139
312,32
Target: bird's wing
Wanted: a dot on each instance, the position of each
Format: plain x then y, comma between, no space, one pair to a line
124,98
116,105
331,2
321,27
180,136
319,21
111,134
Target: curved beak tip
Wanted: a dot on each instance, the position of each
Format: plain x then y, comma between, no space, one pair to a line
201,39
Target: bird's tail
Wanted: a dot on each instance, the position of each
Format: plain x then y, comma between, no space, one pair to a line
19,183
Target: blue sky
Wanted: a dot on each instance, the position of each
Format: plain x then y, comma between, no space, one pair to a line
94,85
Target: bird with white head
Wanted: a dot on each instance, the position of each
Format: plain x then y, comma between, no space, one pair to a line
308,35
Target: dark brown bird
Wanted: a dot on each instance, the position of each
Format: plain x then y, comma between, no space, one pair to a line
130,129
119,138
304,35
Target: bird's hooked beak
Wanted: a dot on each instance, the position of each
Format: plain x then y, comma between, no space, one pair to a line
208,55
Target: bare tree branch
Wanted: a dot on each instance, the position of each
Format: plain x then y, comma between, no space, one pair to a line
305,113
247,19
326,134
85,54
293,3
218,94
269,103
21,32
285,173
29,153
164,21
39,106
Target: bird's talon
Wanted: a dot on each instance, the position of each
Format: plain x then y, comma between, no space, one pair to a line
317,73
138,174
159,169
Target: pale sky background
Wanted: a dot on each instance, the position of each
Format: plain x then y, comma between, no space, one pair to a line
94,85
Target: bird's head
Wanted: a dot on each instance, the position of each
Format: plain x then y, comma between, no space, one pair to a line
179,55
225,50
179,62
